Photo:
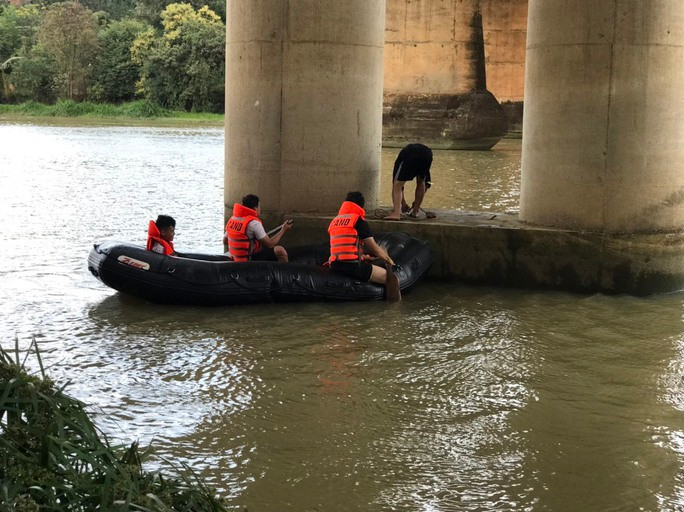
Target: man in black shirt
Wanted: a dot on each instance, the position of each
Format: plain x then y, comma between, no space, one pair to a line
413,161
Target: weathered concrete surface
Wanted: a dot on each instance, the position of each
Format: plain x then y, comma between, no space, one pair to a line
603,130
473,120
500,250
504,24
505,34
435,88
303,101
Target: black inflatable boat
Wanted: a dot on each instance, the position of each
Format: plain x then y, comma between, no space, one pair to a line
213,280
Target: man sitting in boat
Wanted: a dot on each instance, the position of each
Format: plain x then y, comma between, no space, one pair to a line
348,232
247,239
160,235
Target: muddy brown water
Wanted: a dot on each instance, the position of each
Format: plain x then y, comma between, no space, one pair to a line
457,398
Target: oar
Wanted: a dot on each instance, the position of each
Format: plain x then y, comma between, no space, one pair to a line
392,290
278,228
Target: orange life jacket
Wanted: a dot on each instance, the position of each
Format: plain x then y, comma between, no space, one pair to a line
344,240
153,235
240,246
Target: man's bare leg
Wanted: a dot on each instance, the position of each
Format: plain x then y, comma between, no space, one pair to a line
420,195
280,253
405,208
397,194
379,275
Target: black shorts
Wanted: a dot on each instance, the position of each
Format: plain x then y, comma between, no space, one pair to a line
265,254
360,271
414,160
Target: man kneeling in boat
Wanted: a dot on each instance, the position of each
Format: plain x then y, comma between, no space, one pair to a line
160,235
348,232
247,239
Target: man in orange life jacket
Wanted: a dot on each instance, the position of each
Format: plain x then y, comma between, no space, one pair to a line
348,232
160,235
246,237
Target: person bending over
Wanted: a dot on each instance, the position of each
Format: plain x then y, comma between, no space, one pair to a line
349,232
413,161
160,235
246,237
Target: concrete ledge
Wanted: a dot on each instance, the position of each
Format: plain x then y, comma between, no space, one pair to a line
500,250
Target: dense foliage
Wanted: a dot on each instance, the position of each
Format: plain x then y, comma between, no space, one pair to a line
178,68
52,456
113,51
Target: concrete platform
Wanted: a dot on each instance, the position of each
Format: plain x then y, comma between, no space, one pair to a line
500,250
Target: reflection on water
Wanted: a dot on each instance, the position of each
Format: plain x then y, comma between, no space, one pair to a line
455,399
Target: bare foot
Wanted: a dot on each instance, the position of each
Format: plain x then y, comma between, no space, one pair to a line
393,216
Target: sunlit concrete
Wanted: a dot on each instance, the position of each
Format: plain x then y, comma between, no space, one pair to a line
435,88
504,24
303,101
603,132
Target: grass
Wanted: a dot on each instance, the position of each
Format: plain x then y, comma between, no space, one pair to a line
53,457
141,109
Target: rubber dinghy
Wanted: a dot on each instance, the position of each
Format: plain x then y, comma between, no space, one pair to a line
213,280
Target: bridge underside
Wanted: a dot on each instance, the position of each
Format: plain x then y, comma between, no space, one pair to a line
602,188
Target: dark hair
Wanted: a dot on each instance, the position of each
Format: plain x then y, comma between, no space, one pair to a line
356,197
164,221
250,201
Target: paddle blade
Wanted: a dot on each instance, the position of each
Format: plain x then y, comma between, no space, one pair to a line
392,290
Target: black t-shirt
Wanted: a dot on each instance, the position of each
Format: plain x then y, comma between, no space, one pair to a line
413,160
363,229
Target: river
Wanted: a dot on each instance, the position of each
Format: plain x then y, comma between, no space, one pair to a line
456,399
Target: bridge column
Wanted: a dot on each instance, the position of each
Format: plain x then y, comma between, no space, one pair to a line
303,102
603,130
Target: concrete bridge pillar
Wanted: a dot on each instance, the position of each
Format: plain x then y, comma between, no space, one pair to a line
303,101
603,133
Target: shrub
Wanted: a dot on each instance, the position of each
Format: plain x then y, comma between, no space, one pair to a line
53,457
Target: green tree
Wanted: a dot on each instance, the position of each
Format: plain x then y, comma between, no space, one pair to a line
18,26
115,74
34,75
116,9
69,34
150,10
184,68
10,39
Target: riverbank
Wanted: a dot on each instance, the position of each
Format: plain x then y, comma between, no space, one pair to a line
56,458
132,113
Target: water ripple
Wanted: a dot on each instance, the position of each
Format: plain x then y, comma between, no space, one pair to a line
455,399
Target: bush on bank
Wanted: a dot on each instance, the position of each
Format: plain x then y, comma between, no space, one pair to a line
170,53
53,457
70,108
